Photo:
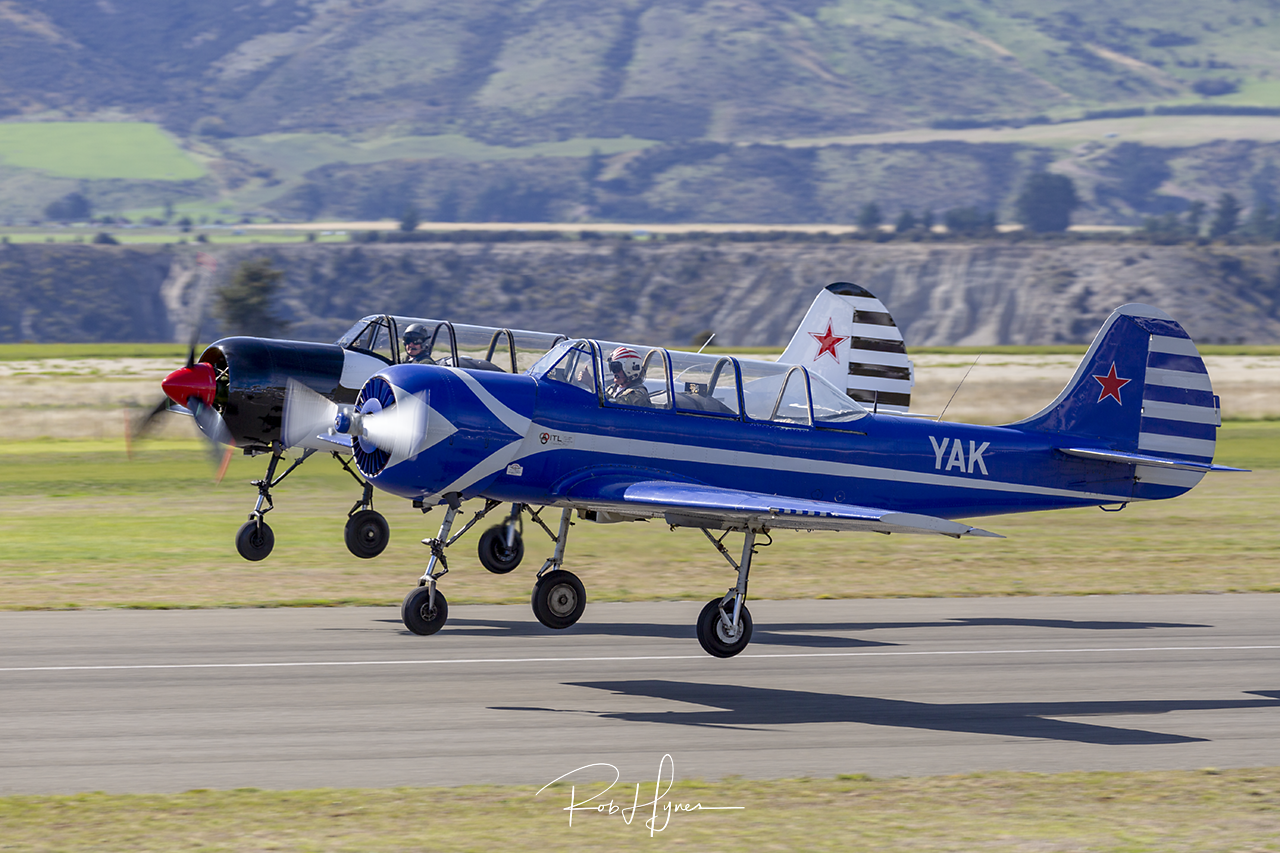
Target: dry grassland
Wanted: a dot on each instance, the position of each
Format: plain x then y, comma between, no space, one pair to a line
1146,812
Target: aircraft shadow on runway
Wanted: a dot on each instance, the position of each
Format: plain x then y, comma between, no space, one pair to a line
755,707
801,634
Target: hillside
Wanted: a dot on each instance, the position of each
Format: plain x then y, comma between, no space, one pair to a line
491,109
520,71
750,294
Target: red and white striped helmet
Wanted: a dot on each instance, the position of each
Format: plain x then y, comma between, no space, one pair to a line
628,361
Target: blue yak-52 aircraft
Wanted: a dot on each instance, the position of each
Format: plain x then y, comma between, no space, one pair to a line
619,432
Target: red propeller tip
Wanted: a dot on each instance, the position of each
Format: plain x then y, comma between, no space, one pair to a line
199,381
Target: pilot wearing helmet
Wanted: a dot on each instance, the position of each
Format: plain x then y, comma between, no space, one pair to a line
415,345
628,378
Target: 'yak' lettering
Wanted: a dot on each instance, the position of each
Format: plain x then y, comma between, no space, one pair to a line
957,457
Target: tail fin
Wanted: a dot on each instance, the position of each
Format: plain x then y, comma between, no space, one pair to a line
1141,396
849,338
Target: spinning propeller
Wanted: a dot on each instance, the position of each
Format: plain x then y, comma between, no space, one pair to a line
193,387
401,429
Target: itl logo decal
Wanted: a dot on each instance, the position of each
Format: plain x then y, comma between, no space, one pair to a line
957,458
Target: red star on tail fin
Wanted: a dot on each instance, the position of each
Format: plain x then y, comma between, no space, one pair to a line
1111,385
827,343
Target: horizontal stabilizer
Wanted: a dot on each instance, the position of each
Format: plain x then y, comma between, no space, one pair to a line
1144,459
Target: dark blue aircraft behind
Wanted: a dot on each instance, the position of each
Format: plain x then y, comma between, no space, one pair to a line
726,444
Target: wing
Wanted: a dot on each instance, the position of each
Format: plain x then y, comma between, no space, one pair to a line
692,505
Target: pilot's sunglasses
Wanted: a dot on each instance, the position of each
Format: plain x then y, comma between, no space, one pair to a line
615,366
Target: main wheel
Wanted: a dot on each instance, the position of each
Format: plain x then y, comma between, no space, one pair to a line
419,616
254,540
367,534
494,553
559,599
715,638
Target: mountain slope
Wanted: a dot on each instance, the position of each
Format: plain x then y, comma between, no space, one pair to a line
524,70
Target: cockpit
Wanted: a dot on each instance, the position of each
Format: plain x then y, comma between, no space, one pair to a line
398,340
701,384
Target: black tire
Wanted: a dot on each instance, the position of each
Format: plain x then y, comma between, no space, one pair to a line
711,632
494,553
559,599
417,618
367,534
254,540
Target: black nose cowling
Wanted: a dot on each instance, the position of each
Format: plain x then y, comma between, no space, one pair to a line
252,375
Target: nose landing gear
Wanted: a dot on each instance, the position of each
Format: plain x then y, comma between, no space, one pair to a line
254,539
367,532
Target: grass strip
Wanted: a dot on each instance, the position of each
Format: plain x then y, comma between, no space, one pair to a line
80,526
81,351
1165,811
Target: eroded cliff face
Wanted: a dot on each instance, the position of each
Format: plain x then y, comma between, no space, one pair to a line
750,294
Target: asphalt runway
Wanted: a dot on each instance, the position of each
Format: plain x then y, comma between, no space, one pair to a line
140,701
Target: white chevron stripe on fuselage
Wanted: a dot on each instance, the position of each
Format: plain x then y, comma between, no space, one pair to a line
769,463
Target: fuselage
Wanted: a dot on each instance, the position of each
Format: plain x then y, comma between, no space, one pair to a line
521,439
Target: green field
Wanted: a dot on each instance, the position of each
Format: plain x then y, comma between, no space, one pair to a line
96,150
80,526
295,153
1162,812
173,235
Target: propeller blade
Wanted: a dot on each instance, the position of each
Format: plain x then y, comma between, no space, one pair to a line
226,462
195,335
210,422
215,430
306,414
139,427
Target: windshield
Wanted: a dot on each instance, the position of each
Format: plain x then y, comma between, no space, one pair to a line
545,362
373,336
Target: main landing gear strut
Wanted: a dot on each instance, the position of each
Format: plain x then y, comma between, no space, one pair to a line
559,598
367,531
724,625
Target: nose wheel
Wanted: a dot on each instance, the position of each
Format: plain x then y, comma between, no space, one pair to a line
254,539
424,611
501,548
367,534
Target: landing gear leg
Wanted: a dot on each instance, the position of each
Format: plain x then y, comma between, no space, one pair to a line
501,547
425,609
559,598
724,626
254,539
367,532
